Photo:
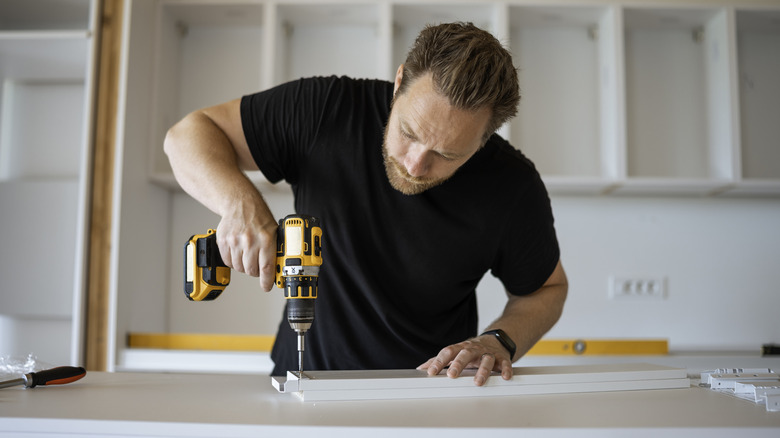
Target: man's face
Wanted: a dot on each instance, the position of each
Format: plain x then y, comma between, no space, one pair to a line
427,139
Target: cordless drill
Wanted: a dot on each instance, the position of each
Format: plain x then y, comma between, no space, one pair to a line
298,261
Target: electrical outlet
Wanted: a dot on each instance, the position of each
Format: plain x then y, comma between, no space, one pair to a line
637,287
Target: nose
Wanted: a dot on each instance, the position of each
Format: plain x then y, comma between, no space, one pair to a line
416,161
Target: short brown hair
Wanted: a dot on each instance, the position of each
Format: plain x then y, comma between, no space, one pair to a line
469,66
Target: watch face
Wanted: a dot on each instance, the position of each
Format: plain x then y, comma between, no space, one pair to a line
504,339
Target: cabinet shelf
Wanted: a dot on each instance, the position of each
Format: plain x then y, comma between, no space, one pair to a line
44,55
680,186
582,185
48,15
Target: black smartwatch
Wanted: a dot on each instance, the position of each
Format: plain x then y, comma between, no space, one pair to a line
504,339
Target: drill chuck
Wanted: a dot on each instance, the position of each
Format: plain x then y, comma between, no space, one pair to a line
300,314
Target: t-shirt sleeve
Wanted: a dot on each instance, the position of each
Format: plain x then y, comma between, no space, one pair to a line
529,252
280,124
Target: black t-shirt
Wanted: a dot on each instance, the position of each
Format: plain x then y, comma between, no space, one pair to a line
399,272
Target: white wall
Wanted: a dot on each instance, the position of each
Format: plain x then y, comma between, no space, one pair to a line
719,256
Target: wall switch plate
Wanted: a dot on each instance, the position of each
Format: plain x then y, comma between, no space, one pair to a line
637,287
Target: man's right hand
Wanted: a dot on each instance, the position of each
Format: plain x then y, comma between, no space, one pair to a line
248,245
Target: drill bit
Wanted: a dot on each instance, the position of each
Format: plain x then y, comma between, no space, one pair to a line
300,353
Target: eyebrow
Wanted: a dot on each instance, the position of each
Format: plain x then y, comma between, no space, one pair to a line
408,131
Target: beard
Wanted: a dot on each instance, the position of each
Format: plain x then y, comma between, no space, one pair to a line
400,179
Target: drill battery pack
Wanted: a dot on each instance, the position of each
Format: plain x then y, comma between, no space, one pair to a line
205,274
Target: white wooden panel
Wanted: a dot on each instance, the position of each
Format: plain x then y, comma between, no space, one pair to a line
43,55
558,121
38,234
721,91
612,96
322,50
326,40
48,339
44,14
229,74
556,53
203,59
759,67
666,104
41,129
397,384
140,210
140,359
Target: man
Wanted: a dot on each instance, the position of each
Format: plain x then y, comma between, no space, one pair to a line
417,200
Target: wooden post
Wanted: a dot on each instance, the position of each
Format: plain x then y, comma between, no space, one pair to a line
110,40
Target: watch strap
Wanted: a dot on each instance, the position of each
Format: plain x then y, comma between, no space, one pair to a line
504,339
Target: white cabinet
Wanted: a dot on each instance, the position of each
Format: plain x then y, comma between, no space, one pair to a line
569,119
758,69
188,45
679,117
46,69
618,98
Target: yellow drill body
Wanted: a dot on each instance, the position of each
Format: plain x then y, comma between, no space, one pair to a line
298,260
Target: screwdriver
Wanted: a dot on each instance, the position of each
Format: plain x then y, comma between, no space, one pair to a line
53,376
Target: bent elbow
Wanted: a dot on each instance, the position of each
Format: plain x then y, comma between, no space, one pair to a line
171,141
180,135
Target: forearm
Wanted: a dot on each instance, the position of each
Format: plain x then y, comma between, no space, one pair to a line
527,318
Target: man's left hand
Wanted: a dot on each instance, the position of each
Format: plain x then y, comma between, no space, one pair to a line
482,352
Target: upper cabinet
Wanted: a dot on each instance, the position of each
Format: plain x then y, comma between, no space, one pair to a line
201,54
634,98
758,84
570,116
679,118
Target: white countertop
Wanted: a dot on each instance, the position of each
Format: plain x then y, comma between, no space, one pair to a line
179,404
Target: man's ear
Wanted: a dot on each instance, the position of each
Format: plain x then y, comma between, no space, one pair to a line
399,74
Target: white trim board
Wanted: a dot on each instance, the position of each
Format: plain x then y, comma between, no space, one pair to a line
400,384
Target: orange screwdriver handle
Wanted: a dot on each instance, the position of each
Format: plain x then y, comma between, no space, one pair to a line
54,376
